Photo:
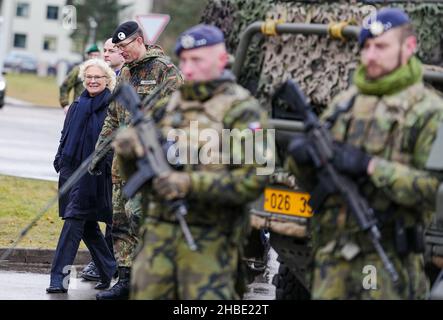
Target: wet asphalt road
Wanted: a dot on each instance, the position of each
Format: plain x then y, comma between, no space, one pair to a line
32,286
29,139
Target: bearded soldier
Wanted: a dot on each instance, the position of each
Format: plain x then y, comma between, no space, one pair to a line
384,127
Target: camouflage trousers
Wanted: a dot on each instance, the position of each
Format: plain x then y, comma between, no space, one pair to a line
365,277
126,219
165,267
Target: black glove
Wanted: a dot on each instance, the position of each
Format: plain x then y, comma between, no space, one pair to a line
299,148
350,160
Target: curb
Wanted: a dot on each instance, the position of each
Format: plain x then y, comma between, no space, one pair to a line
41,256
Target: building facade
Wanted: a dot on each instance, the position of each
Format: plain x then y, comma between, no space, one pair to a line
39,28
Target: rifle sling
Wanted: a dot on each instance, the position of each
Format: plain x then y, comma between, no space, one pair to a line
341,108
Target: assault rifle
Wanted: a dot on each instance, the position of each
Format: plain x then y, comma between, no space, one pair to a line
154,162
330,181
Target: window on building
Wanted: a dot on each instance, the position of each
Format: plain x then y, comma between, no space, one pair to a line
19,40
52,13
22,9
50,43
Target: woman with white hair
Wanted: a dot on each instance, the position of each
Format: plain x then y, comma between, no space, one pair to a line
89,200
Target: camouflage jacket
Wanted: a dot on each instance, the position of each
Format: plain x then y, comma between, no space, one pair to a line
219,191
398,130
72,82
144,75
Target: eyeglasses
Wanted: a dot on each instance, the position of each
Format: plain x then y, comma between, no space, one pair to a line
95,78
121,46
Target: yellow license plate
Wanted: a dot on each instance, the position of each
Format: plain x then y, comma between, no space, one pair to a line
287,202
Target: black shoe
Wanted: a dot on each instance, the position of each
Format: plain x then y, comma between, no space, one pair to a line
102,285
91,265
91,275
120,291
54,289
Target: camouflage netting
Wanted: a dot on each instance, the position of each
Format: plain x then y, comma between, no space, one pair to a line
321,65
233,16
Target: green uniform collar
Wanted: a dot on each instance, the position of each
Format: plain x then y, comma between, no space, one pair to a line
392,83
204,90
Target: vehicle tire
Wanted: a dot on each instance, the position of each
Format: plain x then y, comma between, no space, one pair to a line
287,286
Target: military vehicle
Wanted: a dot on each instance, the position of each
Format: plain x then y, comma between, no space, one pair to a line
434,243
314,43
434,233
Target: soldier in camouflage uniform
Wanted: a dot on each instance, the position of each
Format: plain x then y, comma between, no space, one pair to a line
73,81
384,127
145,68
216,194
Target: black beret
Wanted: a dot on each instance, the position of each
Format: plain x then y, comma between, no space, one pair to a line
124,31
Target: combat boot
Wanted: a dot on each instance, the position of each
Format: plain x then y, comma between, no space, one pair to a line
120,291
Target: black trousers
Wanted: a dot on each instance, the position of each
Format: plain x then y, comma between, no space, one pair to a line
73,231
108,238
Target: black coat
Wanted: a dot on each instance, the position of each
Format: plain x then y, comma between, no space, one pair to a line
91,197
